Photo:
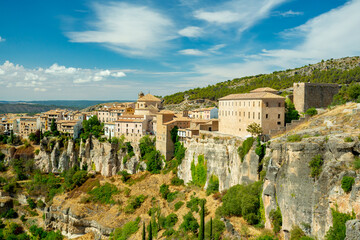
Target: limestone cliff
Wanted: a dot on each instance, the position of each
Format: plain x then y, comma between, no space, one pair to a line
105,158
222,160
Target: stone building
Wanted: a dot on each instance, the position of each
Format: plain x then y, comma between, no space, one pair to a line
147,105
317,95
205,113
237,111
29,125
71,127
166,121
132,127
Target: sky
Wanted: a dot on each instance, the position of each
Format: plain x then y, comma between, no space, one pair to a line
105,50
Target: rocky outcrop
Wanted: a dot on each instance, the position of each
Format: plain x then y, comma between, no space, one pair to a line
102,157
222,160
353,230
303,200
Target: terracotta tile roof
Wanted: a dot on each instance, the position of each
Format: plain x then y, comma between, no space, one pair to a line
166,112
265,89
256,95
149,98
131,116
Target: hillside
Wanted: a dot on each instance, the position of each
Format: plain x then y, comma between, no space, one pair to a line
341,71
26,108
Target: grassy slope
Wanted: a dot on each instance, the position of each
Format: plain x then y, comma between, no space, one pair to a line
343,71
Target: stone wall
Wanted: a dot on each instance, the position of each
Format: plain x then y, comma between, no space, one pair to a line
318,95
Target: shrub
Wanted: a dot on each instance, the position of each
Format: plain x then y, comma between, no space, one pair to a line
37,151
178,205
164,191
154,162
189,223
79,178
242,200
193,204
199,171
218,227
172,196
213,185
276,219
126,231
296,233
9,214
124,175
316,164
134,203
103,194
177,181
311,112
348,139
245,148
338,229
357,163
170,221
346,183
169,232
31,202
294,138
40,204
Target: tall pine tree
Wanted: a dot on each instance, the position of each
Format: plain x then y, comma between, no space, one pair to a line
150,232
202,221
211,230
144,232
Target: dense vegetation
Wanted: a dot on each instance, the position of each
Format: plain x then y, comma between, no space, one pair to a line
276,80
338,229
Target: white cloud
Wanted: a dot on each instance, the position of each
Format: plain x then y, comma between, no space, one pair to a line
118,74
215,48
290,13
40,89
192,52
243,14
54,77
128,29
191,32
2,39
331,35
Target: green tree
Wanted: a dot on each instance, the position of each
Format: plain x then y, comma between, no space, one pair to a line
150,231
143,232
254,129
290,111
53,126
202,221
211,230
174,134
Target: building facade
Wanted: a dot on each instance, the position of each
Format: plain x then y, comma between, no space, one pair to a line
238,111
29,125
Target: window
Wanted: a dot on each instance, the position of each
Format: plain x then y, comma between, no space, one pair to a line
267,104
279,104
258,115
248,114
259,103
267,115
279,123
253,115
253,104
278,115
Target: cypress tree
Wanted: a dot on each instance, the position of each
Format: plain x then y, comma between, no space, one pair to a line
211,232
150,232
202,221
144,232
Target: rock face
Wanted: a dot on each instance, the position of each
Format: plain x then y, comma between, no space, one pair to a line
305,201
222,160
353,230
105,158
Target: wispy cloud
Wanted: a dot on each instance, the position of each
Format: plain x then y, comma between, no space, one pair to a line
193,52
196,52
2,39
289,13
128,29
242,14
191,32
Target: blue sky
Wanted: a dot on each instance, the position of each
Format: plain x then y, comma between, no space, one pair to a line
85,49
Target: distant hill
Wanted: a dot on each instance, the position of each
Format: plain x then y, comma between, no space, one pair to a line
342,71
42,106
24,108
